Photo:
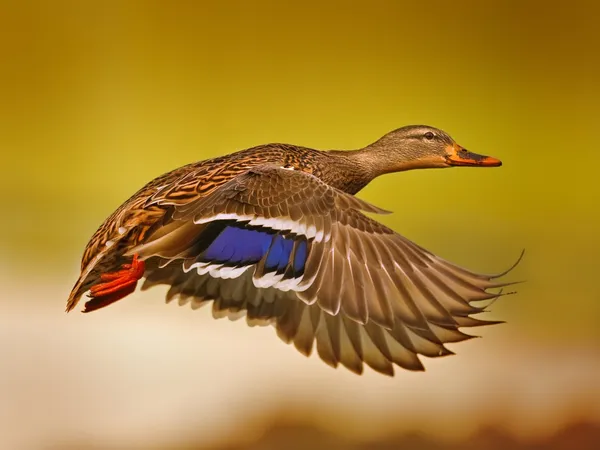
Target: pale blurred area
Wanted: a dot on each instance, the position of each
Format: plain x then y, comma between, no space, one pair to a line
97,98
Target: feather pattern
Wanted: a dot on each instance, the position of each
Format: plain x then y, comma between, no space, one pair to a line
294,249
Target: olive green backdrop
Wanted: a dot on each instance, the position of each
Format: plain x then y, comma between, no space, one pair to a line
97,98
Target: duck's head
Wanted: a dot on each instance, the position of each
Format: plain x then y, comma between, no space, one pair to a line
421,146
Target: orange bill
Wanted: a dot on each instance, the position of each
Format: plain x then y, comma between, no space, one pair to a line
458,156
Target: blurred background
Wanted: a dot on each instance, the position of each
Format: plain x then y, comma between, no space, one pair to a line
97,98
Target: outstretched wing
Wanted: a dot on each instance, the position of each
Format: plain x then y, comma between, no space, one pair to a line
288,249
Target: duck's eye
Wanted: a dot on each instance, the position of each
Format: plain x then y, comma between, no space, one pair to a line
429,135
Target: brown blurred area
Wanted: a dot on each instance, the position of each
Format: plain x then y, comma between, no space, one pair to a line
97,98
297,436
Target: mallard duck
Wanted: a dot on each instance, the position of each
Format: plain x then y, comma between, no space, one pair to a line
276,233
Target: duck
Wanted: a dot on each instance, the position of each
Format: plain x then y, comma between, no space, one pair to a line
276,234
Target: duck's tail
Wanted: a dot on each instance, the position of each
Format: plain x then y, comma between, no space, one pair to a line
109,276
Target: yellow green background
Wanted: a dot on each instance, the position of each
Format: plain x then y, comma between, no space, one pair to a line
97,98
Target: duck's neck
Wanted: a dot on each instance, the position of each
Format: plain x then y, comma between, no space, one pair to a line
357,168
340,169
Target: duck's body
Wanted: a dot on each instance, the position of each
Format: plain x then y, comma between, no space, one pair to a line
130,223
275,232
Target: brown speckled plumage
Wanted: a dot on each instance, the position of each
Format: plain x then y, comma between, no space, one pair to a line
365,293
144,210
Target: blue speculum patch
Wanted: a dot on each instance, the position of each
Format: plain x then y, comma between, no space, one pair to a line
238,244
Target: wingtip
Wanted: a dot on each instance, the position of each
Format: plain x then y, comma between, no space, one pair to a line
378,210
510,269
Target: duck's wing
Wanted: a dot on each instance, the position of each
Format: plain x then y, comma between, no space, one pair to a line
289,249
